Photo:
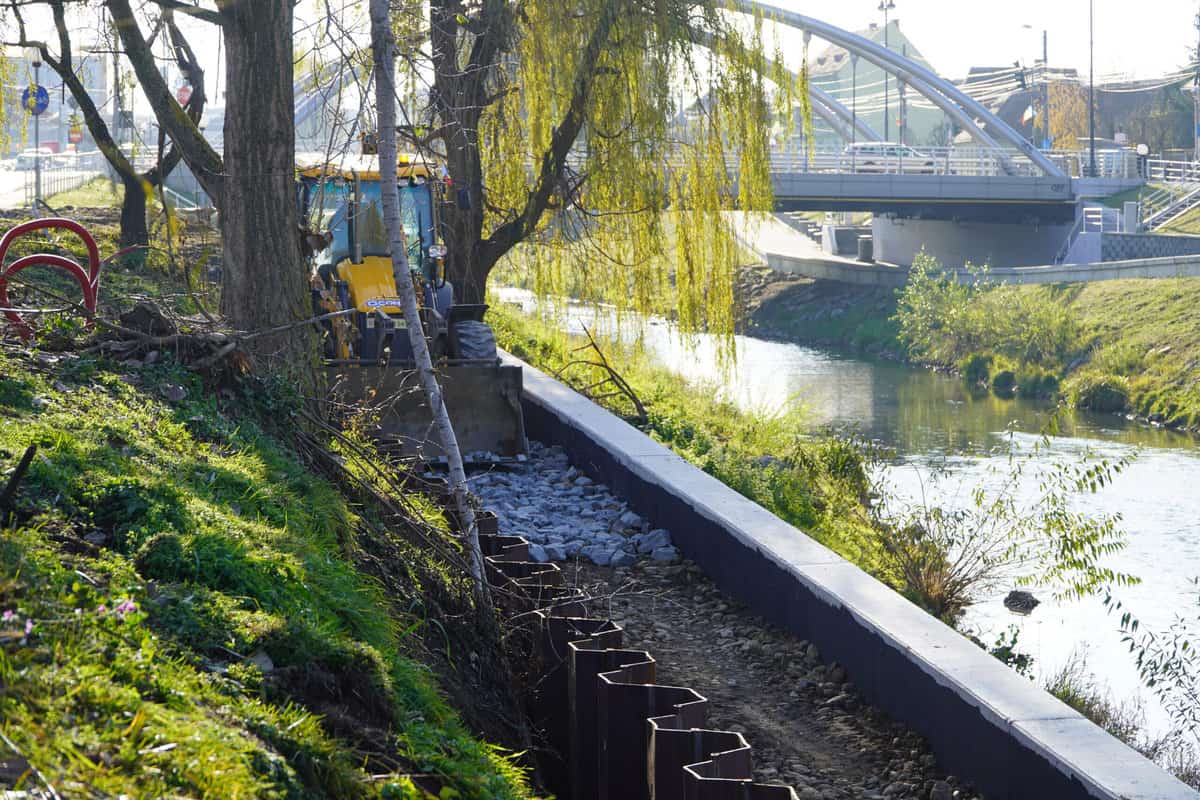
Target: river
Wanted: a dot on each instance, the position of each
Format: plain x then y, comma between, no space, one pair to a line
936,427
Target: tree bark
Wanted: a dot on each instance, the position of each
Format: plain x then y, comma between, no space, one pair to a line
133,211
384,49
264,282
461,96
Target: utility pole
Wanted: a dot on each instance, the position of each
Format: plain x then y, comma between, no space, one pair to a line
35,60
853,109
1092,87
885,6
1196,99
1046,143
902,120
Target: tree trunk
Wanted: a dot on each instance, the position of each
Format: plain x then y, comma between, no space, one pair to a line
133,212
264,282
384,49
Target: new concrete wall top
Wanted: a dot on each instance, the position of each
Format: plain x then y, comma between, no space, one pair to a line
990,725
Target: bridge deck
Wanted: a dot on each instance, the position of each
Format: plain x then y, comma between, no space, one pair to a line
982,198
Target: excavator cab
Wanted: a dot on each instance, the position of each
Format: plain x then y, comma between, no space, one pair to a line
368,350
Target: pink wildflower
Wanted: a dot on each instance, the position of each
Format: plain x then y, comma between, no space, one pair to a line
28,627
9,615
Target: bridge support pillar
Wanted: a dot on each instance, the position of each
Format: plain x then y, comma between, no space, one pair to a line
996,244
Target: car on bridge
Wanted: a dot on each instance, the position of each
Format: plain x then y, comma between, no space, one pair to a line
886,158
28,159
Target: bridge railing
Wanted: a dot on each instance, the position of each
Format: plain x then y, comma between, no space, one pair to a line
965,161
1162,171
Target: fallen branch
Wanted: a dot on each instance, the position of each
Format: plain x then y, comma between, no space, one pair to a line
623,389
10,488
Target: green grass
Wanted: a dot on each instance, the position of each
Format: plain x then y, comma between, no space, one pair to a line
1186,223
815,482
96,193
197,625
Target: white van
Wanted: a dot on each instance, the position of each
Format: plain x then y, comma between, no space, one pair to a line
886,157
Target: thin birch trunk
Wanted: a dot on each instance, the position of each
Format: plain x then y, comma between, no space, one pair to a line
384,47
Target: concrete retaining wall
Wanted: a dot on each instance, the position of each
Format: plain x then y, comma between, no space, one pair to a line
848,271
897,241
842,240
985,722
1129,246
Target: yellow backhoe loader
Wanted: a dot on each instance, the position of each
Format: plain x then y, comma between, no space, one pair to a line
368,351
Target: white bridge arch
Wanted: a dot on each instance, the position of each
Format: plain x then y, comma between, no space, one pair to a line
957,104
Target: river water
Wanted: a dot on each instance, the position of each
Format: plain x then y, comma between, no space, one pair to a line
948,441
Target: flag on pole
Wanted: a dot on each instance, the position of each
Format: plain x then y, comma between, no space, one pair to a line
1029,115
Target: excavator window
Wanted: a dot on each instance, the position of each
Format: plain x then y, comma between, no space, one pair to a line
331,208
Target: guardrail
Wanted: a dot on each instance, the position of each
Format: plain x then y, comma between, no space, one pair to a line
62,173
970,161
1160,171
965,161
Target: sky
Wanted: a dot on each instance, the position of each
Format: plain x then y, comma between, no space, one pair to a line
955,35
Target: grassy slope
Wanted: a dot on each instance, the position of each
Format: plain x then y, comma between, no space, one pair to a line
245,615
184,609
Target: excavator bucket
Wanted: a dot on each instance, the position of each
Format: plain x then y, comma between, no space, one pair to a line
483,400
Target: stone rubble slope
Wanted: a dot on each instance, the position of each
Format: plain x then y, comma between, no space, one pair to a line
565,515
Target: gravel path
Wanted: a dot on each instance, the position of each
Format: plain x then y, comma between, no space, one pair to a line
802,716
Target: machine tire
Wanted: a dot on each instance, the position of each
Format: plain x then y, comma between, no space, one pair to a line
475,340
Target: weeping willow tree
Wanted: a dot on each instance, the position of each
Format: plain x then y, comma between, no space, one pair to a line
598,130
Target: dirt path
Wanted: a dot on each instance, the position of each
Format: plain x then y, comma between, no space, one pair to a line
803,719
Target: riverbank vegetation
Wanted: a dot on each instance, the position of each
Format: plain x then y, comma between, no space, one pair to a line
1112,346
192,605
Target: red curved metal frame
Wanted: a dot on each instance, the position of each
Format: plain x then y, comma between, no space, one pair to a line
88,279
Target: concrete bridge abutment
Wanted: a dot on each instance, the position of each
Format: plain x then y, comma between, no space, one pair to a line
898,240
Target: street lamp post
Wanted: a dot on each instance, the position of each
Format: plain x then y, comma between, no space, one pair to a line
35,60
1092,87
1046,143
1196,100
853,109
885,6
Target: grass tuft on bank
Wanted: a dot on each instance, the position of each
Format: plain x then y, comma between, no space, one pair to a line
182,614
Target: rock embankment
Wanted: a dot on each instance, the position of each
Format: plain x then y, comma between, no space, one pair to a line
802,715
565,515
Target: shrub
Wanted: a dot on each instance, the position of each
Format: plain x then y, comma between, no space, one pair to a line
1004,383
1103,393
975,369
1033,381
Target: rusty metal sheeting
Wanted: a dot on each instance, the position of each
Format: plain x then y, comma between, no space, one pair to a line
619,734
